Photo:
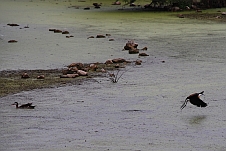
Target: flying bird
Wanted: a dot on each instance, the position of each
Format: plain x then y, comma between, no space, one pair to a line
24,106
195,100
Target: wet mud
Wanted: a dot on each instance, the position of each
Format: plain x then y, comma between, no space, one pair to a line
141,111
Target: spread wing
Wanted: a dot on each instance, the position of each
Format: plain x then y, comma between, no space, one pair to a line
198,102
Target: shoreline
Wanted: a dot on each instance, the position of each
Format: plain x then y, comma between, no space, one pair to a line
12,83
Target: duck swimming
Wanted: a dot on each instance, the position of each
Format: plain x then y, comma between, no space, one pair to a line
24,106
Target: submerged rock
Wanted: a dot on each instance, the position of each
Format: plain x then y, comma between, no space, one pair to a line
12,41
100,36
143,54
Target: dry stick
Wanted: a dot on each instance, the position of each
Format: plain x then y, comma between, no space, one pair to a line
114,78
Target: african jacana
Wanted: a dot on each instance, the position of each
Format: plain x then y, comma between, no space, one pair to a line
195,100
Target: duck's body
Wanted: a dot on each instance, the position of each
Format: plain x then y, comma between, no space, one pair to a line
24,106
195,100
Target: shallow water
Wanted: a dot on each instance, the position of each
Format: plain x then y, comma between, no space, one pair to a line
142,110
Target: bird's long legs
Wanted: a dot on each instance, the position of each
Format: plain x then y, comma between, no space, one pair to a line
184,104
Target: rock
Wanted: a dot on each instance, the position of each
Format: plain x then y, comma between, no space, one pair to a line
57,31
117,66
133,51
108,35
145,48
93,67
12,41
41,77
69,71
82,73
100,36
118,60
90,37
87,8
97,5
143,54
111,40
13,25
69,76
116,3
65,32
223,13
78,65
175,9
130,45
26,26
25,76
103,70
109,61
218,17
138,62
73,69
52,29
132,5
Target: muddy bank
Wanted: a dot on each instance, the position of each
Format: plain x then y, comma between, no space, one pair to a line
15,81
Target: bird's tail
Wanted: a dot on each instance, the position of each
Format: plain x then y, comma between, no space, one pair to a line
184,104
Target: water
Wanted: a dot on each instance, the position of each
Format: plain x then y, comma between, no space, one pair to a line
141,111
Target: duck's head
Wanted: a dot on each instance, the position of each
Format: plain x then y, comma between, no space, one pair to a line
15,103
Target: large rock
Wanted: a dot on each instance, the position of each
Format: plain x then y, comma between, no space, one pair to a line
130,45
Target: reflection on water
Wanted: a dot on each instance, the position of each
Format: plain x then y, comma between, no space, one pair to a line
197,120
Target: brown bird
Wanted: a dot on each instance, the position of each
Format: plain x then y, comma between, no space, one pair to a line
24,106
195,100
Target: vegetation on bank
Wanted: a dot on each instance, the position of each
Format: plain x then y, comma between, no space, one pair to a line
184,3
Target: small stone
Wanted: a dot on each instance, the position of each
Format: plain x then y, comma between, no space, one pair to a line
143,54
109,61
25,76
138,62
90,37
41,77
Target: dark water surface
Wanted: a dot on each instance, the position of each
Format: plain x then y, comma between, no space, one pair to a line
141,111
